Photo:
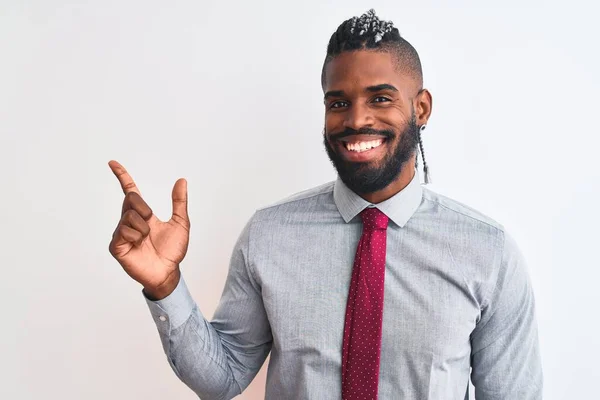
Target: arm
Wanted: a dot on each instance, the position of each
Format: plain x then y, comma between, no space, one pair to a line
217,360
505,356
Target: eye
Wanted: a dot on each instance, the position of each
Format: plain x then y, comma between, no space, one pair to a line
381,99
338,104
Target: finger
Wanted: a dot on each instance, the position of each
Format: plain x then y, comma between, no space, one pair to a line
180,199
126,181
124,234
135,221
133,201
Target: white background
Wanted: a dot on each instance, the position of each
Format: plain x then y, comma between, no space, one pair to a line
228,96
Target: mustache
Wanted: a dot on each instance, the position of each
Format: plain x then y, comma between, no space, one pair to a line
386,133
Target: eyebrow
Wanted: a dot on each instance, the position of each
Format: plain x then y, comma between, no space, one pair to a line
383,86
334,93
375,88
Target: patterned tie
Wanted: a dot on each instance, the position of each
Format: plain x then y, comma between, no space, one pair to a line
361,348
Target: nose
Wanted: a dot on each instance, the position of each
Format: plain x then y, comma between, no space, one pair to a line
358,116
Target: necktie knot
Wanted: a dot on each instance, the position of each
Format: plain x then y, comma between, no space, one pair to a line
374,219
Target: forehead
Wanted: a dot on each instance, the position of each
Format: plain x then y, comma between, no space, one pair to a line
362,68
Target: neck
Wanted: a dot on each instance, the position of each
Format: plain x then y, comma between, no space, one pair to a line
406,175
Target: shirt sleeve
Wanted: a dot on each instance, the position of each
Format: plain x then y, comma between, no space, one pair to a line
505,356
217,359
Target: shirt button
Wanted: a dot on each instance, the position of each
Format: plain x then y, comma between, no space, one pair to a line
162,318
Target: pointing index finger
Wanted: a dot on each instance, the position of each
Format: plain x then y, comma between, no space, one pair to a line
126,181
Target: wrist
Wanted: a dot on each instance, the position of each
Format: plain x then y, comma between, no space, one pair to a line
155,293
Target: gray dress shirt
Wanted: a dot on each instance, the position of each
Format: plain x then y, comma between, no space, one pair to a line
458,301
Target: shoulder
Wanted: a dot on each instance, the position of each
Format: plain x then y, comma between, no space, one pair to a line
309,199
303,196
476,240
436,203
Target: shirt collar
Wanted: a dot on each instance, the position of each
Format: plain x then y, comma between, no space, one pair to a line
399,208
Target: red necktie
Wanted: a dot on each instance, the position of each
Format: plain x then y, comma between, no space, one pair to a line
361,348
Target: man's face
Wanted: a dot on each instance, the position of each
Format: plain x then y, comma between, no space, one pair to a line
370,126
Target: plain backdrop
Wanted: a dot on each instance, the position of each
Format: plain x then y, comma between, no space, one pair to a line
227,95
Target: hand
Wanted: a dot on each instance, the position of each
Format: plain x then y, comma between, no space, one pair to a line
150,250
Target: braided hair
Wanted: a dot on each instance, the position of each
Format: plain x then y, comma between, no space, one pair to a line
368,32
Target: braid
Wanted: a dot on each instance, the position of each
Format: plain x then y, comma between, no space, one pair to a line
425,168
365,31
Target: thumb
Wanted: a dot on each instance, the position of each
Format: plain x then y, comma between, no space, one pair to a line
180,197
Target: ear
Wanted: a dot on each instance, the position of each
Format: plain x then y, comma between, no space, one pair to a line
423,106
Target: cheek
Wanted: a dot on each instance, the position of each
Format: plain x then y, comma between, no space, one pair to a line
393,117
334,123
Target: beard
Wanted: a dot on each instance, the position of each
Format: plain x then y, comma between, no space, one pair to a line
364,178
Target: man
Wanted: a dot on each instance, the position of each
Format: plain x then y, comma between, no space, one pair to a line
369,287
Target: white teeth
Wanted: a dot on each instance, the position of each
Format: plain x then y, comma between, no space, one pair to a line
363,146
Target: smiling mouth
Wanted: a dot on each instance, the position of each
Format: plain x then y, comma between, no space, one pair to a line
362,146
